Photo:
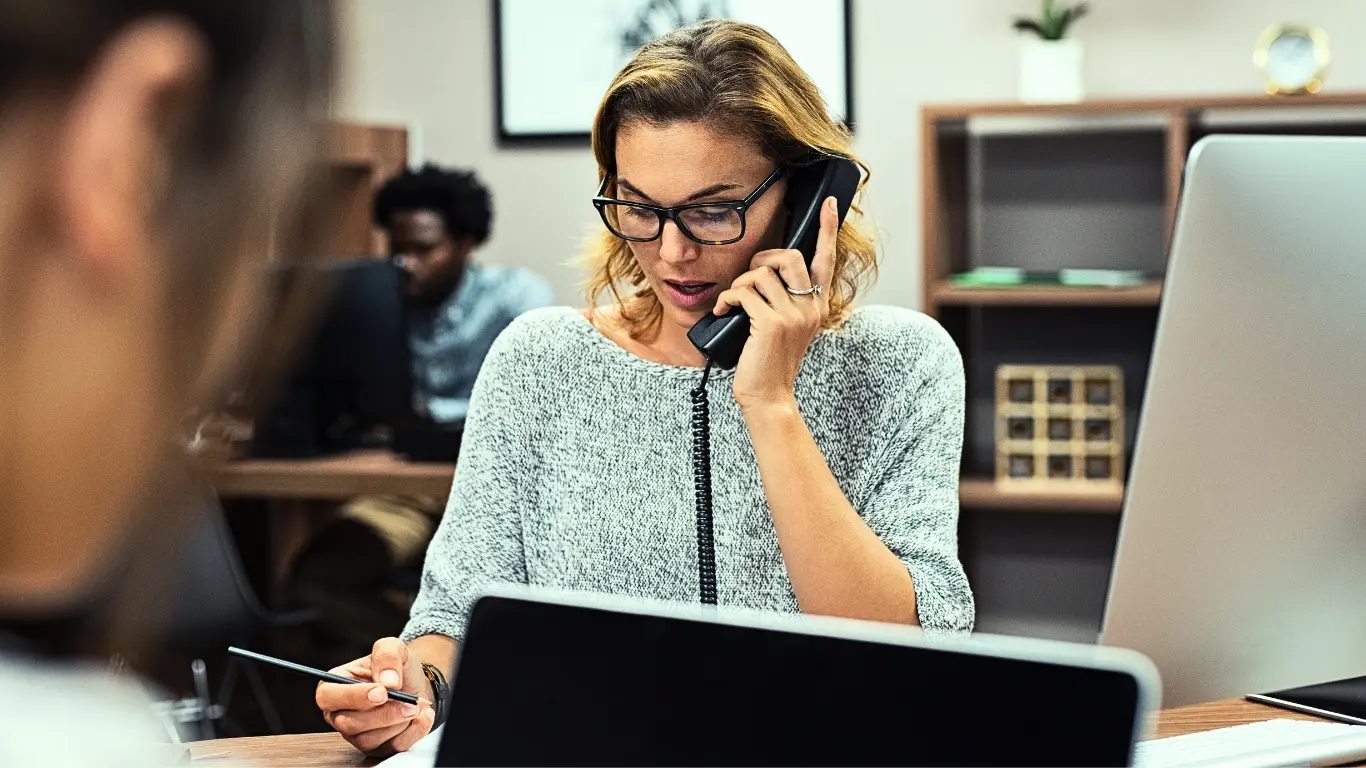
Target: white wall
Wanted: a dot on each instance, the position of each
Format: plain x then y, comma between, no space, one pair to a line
428,63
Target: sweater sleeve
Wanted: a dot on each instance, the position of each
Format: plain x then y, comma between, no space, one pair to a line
913,505
479,539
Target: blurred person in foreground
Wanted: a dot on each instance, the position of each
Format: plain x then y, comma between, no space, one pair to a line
435,219
146,149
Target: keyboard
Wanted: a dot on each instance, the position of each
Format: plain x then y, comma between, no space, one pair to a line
1268,744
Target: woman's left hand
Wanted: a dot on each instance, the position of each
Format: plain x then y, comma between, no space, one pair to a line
781,326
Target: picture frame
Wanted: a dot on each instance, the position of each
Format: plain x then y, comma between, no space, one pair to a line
552,61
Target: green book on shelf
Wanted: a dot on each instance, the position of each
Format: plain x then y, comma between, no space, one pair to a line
1107,278
999,277
1010,277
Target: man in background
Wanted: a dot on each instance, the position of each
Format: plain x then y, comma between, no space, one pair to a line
352,570
436,218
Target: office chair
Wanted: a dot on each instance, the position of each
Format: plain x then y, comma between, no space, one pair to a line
215,606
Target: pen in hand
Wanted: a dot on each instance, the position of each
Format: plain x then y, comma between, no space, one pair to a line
406,698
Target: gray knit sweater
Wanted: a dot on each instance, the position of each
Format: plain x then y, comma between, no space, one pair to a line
576,471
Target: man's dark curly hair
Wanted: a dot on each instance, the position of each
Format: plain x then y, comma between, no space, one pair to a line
461,200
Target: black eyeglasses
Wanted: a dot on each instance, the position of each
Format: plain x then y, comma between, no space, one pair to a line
717,223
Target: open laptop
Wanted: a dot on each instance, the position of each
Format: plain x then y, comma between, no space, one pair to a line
572,679
1241,565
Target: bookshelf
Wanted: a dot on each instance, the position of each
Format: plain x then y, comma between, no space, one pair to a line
1040,188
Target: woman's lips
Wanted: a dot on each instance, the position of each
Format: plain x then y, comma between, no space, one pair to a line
691,294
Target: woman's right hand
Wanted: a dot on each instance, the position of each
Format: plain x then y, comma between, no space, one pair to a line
364,715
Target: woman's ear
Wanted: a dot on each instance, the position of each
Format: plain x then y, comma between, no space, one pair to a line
115,144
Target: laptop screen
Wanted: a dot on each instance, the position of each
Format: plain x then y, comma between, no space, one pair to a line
551,684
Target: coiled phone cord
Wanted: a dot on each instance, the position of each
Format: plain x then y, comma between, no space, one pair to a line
701,472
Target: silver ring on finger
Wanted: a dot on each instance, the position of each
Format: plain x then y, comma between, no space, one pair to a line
815,289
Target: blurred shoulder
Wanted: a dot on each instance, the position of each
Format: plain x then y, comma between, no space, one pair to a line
113,716
511,281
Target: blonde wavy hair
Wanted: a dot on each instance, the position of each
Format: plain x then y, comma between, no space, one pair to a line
740,79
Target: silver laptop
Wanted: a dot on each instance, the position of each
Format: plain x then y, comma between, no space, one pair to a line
570,679
1242,550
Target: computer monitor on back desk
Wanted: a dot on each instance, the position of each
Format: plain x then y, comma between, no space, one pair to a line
1241,565
351,385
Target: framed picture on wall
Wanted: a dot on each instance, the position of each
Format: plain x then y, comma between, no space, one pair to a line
553,60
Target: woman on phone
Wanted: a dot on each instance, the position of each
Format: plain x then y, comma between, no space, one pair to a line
835,442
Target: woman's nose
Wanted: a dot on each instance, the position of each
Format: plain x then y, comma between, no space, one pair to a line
675,247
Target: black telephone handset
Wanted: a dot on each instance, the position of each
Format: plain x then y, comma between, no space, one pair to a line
721,339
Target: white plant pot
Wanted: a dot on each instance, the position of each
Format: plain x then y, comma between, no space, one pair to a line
1051,71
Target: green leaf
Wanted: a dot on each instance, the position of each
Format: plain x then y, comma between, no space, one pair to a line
1064,21
1071,16
1053,22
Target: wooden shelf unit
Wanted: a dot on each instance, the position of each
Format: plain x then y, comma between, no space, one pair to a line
361,157
1157,134
1042,188
1145,295
983,493
1183,120
1175,104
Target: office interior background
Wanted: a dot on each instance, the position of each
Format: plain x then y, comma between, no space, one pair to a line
1139,235
428,65
1038,568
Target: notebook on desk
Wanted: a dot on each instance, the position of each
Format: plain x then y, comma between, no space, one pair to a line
556,679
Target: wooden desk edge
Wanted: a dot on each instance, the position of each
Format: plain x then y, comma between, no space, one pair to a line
302,750
333,478
325,749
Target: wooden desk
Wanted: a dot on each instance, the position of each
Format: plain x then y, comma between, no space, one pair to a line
1218,714
334,478
319,749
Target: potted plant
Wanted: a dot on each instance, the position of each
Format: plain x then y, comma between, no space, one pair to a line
1050,62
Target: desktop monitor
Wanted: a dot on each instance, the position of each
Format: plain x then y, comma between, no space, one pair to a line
563,679
353,373
1240,560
